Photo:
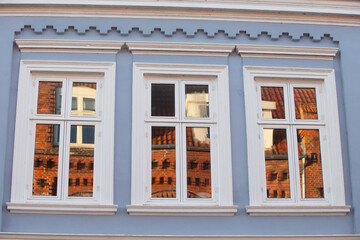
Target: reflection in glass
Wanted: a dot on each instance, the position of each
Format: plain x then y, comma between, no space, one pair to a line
197,101
81,160
305,103
46,156
272,101
276,163
311,179
49,98
83,98
163,157
163,100
198,162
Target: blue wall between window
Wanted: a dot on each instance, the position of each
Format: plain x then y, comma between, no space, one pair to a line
347,69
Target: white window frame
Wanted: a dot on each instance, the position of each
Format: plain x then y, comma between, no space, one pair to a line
30,72
221,203
323,80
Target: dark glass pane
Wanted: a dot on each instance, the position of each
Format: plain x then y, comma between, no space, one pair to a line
49,98
88,133
84,98
272,102
81,161
305,103
74,103
311,179
197,154
197,101
73,134
276,163
46,157
163,100
89,104
163,151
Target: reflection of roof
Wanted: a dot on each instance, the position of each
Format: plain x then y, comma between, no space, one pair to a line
166,136
305,97
274,94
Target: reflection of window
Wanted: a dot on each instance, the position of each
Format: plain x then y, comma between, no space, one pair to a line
293,162
64,148
89,104
186,129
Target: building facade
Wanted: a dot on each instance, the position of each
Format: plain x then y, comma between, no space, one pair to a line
179,119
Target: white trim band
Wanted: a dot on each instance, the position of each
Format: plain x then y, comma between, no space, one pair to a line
88,209
297,210
182,210
188,49
34,236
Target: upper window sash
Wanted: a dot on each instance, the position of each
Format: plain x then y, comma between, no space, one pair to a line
289,109
66,98
180,100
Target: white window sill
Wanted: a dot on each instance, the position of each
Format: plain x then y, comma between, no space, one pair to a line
87,209
297,210
182,210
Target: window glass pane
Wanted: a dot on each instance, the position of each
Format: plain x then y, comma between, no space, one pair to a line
89,104
49,98
197,101
198,162
46,156
163,157
88,133
272,102
311,179
163,100
81,162
74,104
276,163
84,97
305,103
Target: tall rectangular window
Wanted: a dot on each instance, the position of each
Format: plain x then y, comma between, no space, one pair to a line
67,156
293,137
181,150
177,141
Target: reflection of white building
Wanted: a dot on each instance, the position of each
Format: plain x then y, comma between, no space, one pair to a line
83,101
201,134
197,104
267,108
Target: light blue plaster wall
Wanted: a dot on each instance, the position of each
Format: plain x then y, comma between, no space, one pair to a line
347,72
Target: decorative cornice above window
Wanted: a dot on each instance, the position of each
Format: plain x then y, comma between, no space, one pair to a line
188,49
260,51
180,48
68,46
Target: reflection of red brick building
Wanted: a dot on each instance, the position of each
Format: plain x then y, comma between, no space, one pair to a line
308,144
164,169
46,154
